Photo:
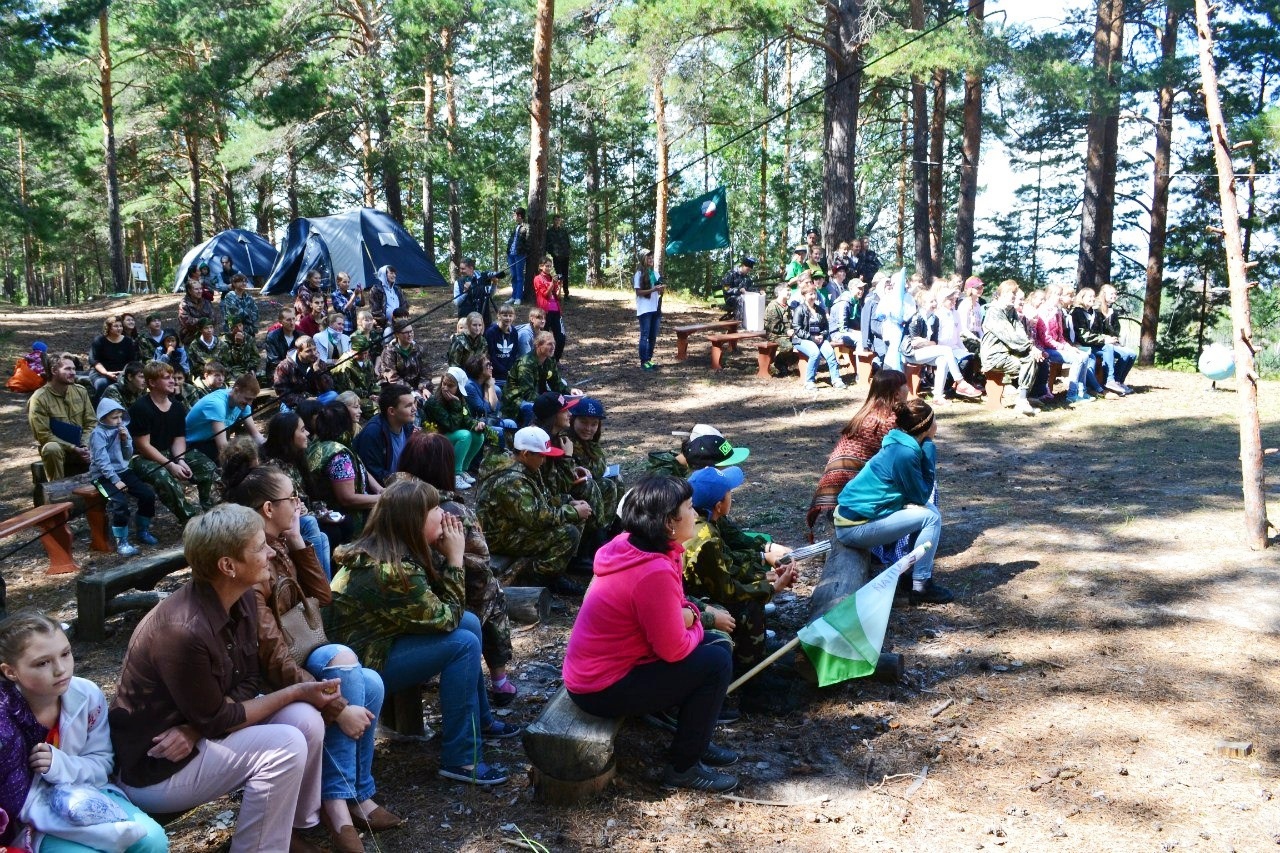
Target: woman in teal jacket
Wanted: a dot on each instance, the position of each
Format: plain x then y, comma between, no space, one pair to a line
889,498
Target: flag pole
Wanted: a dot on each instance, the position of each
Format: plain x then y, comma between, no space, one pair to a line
760,667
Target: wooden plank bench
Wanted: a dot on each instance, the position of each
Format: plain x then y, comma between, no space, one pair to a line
683,333
98,595
55,536
571,752
852,356
83,494
994,388
845,572
720,344
766,352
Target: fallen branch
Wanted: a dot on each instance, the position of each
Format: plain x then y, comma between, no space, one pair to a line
941,706
915,786
813,801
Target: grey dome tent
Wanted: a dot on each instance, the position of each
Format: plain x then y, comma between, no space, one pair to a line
357,242
249,252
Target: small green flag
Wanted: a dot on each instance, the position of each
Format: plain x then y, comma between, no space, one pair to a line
699,225
845,642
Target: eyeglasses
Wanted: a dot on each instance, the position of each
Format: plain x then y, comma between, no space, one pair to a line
293,497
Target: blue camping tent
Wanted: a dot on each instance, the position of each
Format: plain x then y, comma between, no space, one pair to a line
357,242
250,254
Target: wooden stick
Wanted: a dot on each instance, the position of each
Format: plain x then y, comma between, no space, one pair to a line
758,668
809,802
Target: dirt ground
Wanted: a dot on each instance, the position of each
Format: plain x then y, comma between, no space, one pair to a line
1110,629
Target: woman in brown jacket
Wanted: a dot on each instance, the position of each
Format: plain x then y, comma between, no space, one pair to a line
348,743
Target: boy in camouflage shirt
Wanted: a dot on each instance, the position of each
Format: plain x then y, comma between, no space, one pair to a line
522,518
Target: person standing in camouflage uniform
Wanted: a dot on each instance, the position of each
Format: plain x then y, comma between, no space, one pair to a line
522,518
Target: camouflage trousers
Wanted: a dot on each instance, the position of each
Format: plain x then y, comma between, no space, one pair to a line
747,634
547,552
488,602
169,489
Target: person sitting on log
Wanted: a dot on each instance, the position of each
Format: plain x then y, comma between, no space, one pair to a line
891,497
639,646
565,476
740,582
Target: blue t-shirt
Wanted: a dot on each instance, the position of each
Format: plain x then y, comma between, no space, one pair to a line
398,441
215,406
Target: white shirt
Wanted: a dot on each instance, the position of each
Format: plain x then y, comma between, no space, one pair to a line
645,304
330,344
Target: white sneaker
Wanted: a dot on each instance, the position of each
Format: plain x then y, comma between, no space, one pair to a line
471,481
1022,407
811,386
460,484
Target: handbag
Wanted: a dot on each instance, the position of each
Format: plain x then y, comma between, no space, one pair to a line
301,624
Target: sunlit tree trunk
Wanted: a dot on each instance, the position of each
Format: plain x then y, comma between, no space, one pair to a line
970,149
1094,265
115,231
919,164
451,130
660,203
937,131
540,132
840,119
428,176
1160,192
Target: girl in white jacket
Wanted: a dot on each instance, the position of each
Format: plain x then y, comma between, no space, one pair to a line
60,723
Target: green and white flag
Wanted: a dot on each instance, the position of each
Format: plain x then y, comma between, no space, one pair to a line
699,225
845,642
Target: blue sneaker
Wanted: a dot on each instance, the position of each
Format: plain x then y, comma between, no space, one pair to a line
481,774
499,730
145,537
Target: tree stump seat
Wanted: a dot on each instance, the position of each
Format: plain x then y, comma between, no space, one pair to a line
98,595
571,752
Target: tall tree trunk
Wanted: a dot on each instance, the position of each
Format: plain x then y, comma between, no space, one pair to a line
970,149
904,160
1160,192
1254,486
428,172
593,203
1094,262
115,231
540,133
450,141
367,164
291,189
919,161
390,163
192,144
784,251
262,206
1110,147
763,248
840,119
663,189
937,132
28,243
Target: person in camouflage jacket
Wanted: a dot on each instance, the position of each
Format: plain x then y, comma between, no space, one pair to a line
402,361
129,387
354,372
470,343
522,518
532,374
586,421
241,355
205,348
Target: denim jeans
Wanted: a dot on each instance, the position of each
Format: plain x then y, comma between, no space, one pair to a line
515,264
811,352
1118,361
696,684
464,703
649,324
923,520
309,527
1076,363
944,362
347,769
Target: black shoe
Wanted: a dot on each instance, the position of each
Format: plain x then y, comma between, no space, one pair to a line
729,712
562,585
699,778
719,756
931,594
662,719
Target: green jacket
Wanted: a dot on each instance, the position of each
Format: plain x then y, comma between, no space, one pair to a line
73,407
351,375
527,379
514,500
447,418
122,394
712,571
199,355
1003,334
242,359
463,347
374,604
777,325
667,462
396,365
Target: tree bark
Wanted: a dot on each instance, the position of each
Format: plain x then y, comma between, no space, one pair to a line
1160,192
28,244
919,162
840,120
1095,222
450,141
115,231
764,157
663,190
593,203
937,137
428,175
191,142
291,190
970,149
540,133
1252,480
904,161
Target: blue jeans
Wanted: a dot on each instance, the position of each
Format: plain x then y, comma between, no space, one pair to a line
464,703
812,351
347,767
649,324
925,521
1076,363
309,527
1118,361
515,264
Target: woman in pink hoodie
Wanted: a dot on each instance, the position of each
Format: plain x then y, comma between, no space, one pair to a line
638,645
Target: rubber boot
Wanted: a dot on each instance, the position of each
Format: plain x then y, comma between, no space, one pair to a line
123,548
144,532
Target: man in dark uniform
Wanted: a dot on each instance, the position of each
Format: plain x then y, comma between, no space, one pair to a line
558,248
735,283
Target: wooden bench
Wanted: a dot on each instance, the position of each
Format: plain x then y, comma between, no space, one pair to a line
766,352
852,356
571,752
98,595
994,388
83,494
845,572
722,343
683,333
55,536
